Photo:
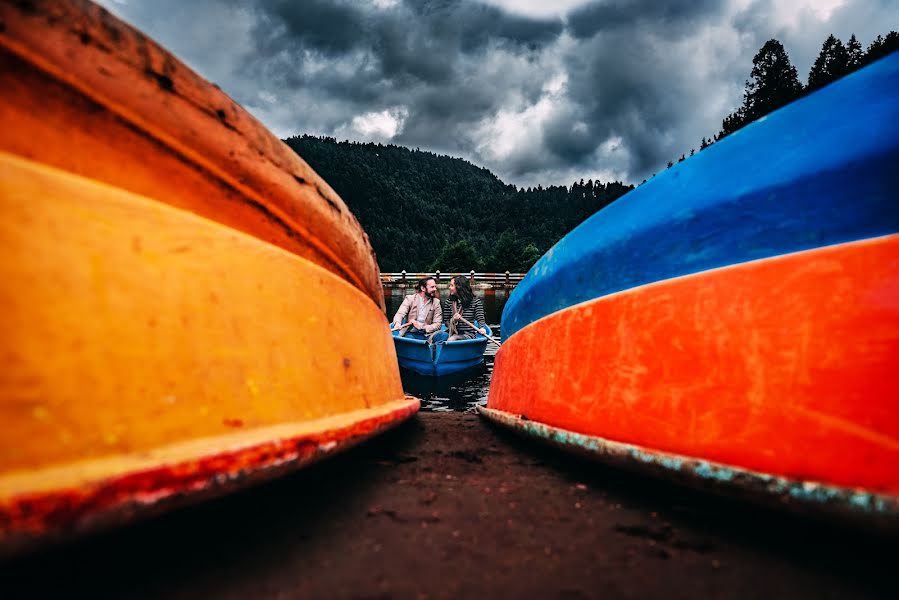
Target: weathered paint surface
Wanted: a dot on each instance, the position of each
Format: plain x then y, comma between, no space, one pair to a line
741,308
132,327
130,324
795,180
185,305
785,366
165,478
89,94
878,510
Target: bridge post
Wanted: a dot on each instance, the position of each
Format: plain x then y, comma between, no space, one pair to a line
471,277
404,276
507,279
437,276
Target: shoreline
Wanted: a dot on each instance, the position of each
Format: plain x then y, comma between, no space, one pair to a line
447,506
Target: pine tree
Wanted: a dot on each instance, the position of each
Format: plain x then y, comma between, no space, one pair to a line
458,257
881,46
831,64
732,122
529,256
506,254
855,52
773,83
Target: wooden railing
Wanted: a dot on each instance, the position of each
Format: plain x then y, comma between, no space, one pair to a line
403,278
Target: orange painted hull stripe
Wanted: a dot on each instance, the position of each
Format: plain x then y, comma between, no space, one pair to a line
787,366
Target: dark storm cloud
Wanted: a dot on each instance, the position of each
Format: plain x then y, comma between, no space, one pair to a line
474,25
425,56
614,88
327,26
638,95
422,40
568,143
662,17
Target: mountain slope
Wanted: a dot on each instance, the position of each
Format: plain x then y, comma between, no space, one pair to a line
415,204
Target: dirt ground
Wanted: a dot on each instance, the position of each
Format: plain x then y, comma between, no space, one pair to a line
447,506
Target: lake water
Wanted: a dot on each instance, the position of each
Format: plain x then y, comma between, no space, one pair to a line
459,391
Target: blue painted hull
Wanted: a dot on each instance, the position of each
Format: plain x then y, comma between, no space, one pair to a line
441,358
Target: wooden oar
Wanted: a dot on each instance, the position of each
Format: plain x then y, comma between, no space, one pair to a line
467,322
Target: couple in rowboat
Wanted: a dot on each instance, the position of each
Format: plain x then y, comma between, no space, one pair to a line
424,315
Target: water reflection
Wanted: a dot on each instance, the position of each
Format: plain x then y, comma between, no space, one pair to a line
457,391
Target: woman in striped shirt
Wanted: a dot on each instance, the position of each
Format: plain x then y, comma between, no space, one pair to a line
462,303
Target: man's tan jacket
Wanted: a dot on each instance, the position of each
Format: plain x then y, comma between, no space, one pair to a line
432,320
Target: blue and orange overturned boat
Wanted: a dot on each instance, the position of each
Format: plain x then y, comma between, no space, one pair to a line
734,322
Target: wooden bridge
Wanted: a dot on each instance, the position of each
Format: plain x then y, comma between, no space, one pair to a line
404,279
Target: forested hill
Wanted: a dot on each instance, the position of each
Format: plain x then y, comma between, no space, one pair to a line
423,211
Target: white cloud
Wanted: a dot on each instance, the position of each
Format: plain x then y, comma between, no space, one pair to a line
556,84
538,8
498,137
384,125
518,128
790,14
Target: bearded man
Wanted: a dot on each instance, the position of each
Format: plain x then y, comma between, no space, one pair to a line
421,309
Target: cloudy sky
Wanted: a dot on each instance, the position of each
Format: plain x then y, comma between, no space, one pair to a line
536,91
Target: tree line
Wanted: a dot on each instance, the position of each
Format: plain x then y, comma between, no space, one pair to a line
428,212
774,81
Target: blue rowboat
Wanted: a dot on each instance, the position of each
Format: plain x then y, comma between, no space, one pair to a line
438,356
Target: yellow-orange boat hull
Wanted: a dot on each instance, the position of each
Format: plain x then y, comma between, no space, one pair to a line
181,311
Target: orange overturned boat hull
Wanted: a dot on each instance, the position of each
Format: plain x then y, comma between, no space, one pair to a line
186,307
